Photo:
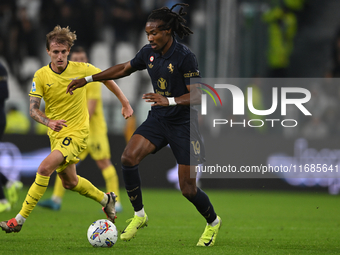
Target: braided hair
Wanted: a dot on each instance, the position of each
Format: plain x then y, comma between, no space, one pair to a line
172,20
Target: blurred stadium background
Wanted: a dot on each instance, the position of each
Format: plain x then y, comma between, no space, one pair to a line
232,38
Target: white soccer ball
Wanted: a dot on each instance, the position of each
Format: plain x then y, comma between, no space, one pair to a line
102,233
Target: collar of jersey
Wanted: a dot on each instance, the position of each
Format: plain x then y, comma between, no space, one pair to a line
56,72
170,50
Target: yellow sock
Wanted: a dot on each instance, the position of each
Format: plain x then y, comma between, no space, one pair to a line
35,192
58,190
87,189
111,180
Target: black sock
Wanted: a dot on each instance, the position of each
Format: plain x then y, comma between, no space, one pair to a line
3,181
204,206
132,186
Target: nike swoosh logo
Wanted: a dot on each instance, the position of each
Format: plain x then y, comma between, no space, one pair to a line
208,243
49,84
27,202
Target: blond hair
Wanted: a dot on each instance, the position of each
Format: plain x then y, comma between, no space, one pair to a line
62,36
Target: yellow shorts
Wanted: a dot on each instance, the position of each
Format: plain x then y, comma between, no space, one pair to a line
70,147
98,147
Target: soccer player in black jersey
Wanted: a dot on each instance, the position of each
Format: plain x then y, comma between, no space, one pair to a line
170,66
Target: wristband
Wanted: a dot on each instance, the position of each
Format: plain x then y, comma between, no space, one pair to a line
172,101
89,78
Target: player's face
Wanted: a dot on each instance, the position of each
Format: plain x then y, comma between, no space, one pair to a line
58,53
160,40
78,57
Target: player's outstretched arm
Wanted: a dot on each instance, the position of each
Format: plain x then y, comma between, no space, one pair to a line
40,117
114,72
127,110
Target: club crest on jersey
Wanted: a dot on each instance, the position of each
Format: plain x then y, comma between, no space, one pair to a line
34,88
152,58
162,84
171,68
150,65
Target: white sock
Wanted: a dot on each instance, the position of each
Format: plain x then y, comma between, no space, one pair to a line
214,223
56,199
3,201
140,213
105,200
9,184
21,220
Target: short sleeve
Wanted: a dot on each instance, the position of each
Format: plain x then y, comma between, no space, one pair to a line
37,87
189,68
91,69
138,62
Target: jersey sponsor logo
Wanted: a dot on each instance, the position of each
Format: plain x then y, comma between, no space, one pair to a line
163,93
34,87
150,65
152,58
162,84
191,74
171,68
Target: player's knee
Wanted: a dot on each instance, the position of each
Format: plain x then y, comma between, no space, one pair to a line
127,159
188,192
44,170
70,184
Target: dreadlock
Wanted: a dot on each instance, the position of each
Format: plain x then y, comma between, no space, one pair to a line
172,20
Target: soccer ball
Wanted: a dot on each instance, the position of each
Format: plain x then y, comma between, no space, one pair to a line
102,233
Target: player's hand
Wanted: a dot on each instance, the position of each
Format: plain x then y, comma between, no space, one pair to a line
75,84
57,125
156,99
127,111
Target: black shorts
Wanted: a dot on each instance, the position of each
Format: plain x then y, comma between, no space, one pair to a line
185,139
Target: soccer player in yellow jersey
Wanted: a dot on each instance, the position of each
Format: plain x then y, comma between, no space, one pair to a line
98,143
67,119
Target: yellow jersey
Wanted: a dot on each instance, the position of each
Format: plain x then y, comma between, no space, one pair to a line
97,121
51,86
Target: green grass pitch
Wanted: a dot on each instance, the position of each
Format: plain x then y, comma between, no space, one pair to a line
254,222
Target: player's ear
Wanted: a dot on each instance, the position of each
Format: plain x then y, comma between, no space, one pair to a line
168,31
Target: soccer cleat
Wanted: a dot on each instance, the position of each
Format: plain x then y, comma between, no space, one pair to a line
209,235
135,223
5,207
50,204
10,226
110,209
13,190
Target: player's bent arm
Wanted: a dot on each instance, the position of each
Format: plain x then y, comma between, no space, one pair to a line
127,110
191,98
40,117
35,112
